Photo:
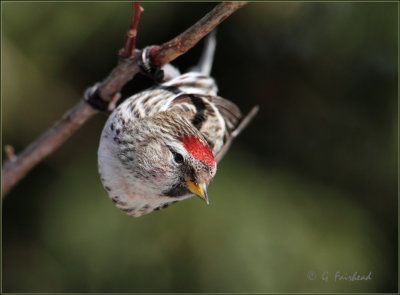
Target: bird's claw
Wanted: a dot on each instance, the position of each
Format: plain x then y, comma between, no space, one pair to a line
148,69
92,97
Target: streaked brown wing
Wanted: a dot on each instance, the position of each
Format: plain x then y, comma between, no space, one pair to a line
228,110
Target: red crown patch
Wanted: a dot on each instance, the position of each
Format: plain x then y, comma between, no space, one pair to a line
198,149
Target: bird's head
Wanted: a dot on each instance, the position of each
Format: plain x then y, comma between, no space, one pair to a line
176,160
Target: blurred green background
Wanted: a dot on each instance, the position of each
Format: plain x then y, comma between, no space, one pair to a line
309,187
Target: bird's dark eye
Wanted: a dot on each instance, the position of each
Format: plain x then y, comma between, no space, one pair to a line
178,158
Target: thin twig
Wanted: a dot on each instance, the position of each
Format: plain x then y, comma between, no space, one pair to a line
130,42
127,68
245,121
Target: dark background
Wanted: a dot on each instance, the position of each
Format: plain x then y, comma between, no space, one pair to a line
309,187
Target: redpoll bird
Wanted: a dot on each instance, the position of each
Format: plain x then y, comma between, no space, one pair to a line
160,145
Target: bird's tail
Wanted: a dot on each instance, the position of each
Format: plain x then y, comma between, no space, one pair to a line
206,60
197,79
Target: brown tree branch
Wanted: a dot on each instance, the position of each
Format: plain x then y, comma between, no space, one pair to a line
14,170
167,52
127,68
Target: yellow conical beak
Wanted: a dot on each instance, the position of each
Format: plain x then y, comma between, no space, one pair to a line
199,190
